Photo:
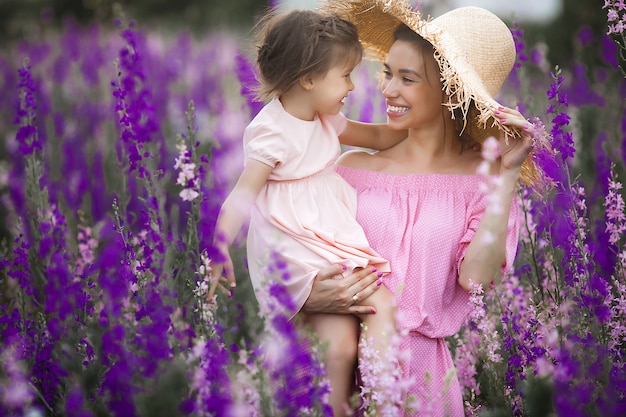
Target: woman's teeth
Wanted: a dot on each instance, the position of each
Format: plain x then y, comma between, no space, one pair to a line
397,109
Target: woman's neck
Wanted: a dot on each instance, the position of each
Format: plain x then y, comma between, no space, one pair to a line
437,142
433,152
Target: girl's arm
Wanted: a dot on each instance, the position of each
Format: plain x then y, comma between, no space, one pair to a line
486,252
233,213
377,136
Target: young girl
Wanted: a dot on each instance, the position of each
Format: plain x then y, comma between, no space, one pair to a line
299,206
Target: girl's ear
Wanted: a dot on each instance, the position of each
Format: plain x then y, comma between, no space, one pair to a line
307,82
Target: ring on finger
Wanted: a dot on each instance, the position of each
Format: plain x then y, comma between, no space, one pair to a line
355,297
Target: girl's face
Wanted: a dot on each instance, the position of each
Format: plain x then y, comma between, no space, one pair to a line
411,87
330,90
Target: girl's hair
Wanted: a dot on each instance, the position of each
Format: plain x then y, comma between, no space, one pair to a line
301,43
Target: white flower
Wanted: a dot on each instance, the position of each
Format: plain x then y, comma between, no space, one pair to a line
188,194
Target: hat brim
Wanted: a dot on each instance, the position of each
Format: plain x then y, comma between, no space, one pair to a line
376,22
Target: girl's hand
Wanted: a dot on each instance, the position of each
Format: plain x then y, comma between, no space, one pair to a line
514,150
342,296
217,270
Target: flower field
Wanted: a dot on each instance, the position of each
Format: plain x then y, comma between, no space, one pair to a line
120,145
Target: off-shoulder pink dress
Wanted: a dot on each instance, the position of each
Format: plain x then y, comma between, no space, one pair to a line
306,212
423,224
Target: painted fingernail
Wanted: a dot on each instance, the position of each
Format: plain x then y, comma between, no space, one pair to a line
497,112
373,311
503,120
525,127
343,267
379,283
380,274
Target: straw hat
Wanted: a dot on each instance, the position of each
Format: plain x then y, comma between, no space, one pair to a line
474,49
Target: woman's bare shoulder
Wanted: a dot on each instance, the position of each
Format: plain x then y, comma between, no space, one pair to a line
357,158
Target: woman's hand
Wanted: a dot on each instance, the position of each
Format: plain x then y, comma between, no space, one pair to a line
513,151
346,295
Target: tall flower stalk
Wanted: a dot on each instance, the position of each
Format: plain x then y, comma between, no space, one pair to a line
616,17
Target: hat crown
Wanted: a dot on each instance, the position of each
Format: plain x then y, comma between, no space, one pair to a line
474,40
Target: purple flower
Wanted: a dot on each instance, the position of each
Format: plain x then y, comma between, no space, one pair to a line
610,53
246,73
75,403
210,381
28,134
137,120
585,36
117,388
152,335
296,381
581,92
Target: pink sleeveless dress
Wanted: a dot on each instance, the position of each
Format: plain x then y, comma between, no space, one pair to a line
306,212
423,224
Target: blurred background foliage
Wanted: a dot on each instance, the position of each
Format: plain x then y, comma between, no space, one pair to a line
22,18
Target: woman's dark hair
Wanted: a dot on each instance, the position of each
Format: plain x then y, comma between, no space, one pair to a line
300,43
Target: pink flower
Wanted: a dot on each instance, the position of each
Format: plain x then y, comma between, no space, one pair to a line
614,204
188,176
490,149
384,389
14,389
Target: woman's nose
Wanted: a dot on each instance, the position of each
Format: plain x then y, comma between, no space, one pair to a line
388,88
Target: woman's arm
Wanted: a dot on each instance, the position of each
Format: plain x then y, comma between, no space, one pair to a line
486,252
336,296
377,136
234,211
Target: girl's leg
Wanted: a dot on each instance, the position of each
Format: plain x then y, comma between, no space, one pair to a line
339,334
380,328
382,325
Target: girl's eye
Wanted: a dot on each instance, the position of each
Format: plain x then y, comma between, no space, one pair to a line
387,73
407,80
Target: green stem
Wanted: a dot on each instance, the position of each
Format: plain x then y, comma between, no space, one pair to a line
41,397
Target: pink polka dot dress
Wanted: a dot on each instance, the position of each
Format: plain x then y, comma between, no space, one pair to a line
423,224
305,212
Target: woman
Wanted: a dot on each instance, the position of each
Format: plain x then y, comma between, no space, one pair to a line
420,201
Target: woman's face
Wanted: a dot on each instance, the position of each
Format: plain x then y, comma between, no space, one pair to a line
411,87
